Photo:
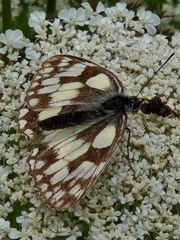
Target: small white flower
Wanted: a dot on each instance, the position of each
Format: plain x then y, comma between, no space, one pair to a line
75,233
36,202
176,39
112,215
37,19
129,15
5,209
3,174
12,39
95,17
22,66
32,54
90,12
13,56
41,32
121,6
73,16
149,20
6,230
56,26
95,21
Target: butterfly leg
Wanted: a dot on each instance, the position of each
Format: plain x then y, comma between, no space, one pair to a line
128,142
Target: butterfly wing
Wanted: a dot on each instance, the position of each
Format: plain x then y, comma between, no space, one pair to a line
69,159
66,167
65,84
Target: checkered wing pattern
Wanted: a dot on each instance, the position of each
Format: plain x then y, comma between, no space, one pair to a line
77,142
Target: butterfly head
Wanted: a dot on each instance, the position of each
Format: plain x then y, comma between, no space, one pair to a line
135,103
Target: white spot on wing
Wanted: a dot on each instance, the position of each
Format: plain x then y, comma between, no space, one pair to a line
90,64
63,64
59,204
33,102
56,188
63,151
39,164
73,71
59,195
64,95
48,89
31,163
35,151
48,194
78,152
59,176
76,190
23,112
72,183
62,134
36,77
50,112
85,170
57,144
70,86
39,177
60,103
55,167
44,187
28,132
105,137
76,69
50,81
45,70
22,123
30,93
100,81
35,83
99,169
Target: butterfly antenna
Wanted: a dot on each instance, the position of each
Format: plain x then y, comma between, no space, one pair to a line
146,83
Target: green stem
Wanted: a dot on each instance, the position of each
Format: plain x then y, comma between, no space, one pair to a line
6,14
51,9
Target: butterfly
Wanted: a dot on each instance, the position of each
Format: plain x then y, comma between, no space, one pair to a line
78,110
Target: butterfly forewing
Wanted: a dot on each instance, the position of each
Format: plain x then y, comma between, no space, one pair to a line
65,84
75,147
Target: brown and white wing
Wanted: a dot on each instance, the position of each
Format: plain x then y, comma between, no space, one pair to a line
69,159
68,165
65,84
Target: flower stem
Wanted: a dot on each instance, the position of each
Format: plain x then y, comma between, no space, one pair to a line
6,14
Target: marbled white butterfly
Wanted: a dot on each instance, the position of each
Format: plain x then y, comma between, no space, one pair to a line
78,110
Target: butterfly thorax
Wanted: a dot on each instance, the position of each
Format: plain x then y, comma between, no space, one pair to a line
123,104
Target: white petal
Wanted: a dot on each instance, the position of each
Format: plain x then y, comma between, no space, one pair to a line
100,7
151,30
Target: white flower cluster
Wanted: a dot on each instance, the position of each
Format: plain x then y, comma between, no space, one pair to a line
127,202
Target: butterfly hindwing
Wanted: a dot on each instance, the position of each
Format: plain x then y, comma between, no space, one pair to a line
65,169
